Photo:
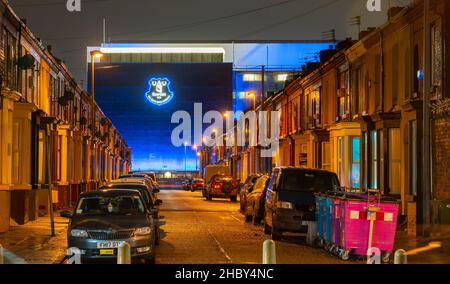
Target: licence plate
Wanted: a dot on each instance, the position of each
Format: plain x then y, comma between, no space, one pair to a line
108,245
106,252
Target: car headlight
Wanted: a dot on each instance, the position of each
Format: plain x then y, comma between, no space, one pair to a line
79,233
144,231
285,205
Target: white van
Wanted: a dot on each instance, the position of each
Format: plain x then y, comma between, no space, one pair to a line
212,170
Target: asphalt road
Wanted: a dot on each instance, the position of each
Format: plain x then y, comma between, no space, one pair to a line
214,232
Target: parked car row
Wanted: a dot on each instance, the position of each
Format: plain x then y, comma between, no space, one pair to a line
126,210
193,184
285,201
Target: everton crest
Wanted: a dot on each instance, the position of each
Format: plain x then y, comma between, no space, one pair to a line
159,92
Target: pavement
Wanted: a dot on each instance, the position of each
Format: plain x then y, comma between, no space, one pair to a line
32,243
202,232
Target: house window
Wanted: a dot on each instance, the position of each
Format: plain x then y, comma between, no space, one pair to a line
326,164
395,74
436,59
340,158
356,162
59,158
394,161
378,82
16,153
343,92
373,179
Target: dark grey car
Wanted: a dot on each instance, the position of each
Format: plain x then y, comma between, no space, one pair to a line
290,201
104,219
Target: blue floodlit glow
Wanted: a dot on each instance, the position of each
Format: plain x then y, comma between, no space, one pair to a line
159,92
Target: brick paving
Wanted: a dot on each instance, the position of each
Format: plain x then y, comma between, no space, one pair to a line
33,243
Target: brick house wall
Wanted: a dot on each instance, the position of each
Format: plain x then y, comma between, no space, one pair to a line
441,157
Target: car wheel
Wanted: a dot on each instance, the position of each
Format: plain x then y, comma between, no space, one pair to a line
248,218
241,203
256,218
233,198
157,236
267,228
276,235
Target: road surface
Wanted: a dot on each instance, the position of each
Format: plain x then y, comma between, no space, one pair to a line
214,232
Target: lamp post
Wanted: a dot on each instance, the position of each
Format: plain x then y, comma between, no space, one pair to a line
185,159
94,54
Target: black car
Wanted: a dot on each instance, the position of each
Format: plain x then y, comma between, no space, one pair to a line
104,219
290,199
246,188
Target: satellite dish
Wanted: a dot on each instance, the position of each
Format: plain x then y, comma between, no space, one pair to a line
26,62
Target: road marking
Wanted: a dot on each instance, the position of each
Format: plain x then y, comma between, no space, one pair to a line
219,246
239,220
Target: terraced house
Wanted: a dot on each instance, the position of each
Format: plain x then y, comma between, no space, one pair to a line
359,113
45,134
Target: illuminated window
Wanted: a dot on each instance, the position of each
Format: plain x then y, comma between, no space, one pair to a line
326,160
356,162
252,77
373,160
282,77
394,161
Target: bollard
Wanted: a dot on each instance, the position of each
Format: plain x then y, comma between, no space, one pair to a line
312,233
269,252
124,253
2,261
400,257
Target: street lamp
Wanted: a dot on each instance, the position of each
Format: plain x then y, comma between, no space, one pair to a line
94,54
252,95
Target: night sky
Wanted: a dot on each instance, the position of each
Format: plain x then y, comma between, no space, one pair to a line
147,20
70,33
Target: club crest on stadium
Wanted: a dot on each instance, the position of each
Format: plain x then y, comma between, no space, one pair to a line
159,92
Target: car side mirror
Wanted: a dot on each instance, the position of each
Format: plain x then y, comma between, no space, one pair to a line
156,190
158,202
66,214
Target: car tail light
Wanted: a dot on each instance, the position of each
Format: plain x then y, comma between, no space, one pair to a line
217,186
285,205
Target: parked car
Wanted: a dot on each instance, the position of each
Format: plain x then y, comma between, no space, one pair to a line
138,179
290,203
152,203
187,184
104,219
212,170
152,175
246,188
221,186
255,201
197,184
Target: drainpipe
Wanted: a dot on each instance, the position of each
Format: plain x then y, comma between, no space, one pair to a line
19,54
426,187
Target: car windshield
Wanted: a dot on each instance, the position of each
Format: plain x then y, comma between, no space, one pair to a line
309,181
223,179
110,205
